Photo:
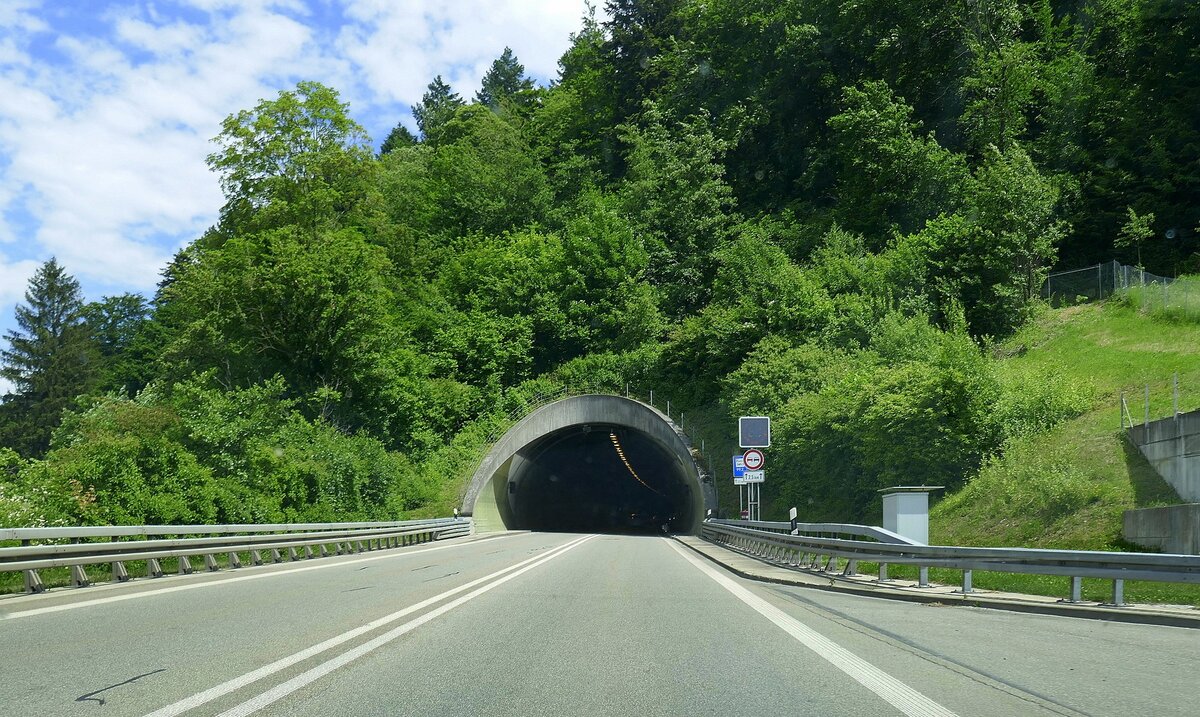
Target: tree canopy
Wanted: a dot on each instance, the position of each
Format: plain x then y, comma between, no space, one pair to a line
828,210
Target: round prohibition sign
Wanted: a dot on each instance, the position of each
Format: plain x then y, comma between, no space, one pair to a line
753,459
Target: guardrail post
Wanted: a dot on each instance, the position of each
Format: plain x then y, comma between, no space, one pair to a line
883,578
210,563
966,584
153,568
33,583
1076,590
1118,594
119,573
79,577
256,557
851,568
275,556
185,565
308,551
235,560
923,577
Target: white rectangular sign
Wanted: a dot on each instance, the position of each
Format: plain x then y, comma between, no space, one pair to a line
755,477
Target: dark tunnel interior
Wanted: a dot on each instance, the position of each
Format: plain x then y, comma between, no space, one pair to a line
599,478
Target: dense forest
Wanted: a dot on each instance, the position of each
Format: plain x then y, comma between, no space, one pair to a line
819,210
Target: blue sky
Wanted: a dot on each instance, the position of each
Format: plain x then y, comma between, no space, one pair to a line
108,107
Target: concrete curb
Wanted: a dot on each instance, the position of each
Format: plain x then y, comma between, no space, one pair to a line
754,568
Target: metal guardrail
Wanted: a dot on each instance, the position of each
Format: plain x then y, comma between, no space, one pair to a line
828,530
817,552
153,544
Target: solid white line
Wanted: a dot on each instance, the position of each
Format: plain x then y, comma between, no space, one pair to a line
893,691
305,678
237,683
225,581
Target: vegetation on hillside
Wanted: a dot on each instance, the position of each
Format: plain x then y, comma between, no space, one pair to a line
828,212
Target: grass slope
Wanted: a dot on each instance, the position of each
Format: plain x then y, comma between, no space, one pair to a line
1068,487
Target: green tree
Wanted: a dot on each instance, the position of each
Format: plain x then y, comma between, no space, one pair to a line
312,309
1136,231
889,177
505,80
298,159
483,177
437,106
51,359
676,195
120,325
397,138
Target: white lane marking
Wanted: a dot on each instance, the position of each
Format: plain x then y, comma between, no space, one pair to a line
893,691
282,690
226,581
237,683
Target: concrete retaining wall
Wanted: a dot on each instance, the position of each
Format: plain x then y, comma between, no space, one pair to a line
1174,529
1172,445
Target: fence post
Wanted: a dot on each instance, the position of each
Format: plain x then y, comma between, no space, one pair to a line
1100,281
1175,395
1147,421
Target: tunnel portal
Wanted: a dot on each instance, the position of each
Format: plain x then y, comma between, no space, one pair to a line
590,463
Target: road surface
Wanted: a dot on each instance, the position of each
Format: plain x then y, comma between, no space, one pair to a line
560,624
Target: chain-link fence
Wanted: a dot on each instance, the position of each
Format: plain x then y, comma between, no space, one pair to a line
1148,292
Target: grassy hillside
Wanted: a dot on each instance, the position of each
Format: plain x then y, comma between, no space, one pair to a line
1067,488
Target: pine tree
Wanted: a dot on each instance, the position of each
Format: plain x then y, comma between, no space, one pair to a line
397,138
505,80
50,361
437,106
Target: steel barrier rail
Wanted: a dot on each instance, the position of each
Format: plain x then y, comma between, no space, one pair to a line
345,537
821,529
113,531
808,551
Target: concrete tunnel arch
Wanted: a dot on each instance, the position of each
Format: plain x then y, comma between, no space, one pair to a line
594,463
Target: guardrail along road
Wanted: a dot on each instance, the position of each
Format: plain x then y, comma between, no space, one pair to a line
559,624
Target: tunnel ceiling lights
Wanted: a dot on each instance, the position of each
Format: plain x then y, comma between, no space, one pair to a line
621,454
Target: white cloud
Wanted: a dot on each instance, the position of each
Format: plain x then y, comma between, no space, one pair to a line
104,131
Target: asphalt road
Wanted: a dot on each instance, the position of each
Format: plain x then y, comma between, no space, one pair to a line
551,624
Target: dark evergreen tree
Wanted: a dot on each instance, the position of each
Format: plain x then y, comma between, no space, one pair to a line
505,80
50,361
119,326
397,138
437,106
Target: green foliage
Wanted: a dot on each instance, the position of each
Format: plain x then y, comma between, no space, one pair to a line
505,83
1135,231
313,309
436,108
889,178
51,360
832,212
398,137
297,159
676,195
483,176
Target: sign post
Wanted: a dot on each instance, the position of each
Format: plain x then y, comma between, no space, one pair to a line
754,432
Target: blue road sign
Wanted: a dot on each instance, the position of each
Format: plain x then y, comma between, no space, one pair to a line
739,467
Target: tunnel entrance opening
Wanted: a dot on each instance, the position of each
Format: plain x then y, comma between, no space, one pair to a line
594,463
598,478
